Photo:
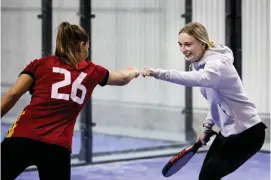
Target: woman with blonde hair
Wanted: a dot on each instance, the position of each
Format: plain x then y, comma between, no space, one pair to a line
242,132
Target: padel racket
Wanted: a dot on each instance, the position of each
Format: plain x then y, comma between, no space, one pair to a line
180,159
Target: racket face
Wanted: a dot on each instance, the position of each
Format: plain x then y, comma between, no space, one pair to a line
175,167
180,159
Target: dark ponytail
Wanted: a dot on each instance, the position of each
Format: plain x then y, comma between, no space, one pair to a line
68,42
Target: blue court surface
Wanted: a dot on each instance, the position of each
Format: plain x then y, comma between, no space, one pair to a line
257,168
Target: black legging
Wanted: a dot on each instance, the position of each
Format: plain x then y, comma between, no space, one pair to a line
227,154
52,161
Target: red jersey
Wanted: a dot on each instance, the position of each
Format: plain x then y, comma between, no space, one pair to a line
59,92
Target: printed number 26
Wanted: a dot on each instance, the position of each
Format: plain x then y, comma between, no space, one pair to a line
67,81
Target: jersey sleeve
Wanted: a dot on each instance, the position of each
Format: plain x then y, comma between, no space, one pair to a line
103,74
30,69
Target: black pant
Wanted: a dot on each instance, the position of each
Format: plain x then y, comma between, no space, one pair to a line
227,154
52,161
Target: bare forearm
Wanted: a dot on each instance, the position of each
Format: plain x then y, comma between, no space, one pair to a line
128,76
22,84
123,77
7,102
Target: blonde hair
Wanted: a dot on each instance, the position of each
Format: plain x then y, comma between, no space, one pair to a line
68,42
199,32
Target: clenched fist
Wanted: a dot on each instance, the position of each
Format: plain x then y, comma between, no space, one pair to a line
134,69
147,71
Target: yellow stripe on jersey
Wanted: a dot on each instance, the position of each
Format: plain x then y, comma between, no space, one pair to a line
11,130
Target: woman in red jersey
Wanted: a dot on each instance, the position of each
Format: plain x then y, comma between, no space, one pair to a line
60,85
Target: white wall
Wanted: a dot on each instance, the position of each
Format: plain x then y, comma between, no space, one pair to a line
138,33
256,52
21,37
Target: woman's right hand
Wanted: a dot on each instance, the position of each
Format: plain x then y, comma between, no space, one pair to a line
135,70
204,137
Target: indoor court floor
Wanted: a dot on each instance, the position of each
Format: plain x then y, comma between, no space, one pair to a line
257,168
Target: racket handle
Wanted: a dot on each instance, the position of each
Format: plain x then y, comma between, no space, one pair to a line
198,145
209,135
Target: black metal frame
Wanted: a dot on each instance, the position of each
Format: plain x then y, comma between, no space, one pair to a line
86,115
188,110
234,31
46,17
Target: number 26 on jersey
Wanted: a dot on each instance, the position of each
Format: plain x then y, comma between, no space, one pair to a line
76,85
